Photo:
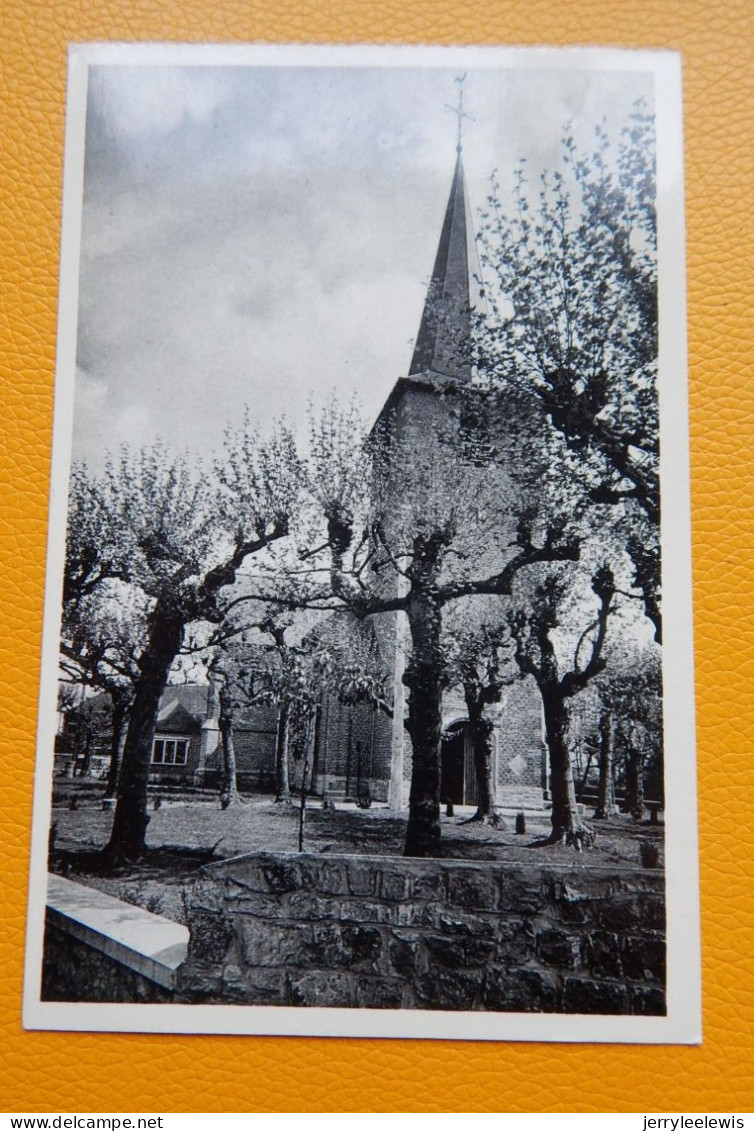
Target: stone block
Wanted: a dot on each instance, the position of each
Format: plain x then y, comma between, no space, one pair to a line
199,982
254,986
601,953
415,914
363,879
475,891
212,937
460,923
515,941
327,877
307,905
457,952
206,895
556,948
403,953
364,943
574,914
653,912
520,894
648,1001
582,889
644,958
519,991
379,993
581,995
395,885
621,913
281,876
249,877
429,886
234,987
321,988
448,989
240,902
577,903
274,944
367,911
348,945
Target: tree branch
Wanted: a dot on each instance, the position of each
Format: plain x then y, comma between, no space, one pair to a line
501,583
573,681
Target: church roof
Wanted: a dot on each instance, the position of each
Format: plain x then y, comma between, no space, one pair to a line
443,344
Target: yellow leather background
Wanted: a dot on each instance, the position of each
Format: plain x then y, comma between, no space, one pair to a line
110,1073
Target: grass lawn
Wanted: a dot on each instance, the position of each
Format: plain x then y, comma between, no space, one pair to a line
185,834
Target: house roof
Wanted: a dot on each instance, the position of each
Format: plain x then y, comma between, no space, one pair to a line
183,710
187,702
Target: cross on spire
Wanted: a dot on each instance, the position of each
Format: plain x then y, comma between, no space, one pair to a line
459,111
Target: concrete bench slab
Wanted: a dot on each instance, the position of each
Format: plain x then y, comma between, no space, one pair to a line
148,944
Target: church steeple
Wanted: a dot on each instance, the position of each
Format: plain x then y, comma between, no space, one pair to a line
444,339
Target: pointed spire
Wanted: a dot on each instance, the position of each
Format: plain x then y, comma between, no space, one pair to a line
443,345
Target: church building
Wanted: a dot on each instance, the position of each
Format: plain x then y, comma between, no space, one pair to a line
360,751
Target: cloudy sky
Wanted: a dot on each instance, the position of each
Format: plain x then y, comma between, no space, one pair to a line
262,234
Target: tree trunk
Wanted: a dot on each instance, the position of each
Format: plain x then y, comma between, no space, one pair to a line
635,785
120,731
423,679
606,792
567,828
229,793
310,741
127,839
282,774
315,744
482,729
77,737
86,767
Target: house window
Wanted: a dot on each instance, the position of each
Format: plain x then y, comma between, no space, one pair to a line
170,751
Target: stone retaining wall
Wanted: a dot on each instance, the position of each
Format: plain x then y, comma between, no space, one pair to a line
75,971
385,933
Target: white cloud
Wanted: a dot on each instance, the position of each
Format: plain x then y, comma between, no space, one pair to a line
147,101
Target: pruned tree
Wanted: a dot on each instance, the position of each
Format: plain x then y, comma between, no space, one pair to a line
572,324
605,807
405,515
534,628
270,672
99,648
289,663
182,537
480,661
629,694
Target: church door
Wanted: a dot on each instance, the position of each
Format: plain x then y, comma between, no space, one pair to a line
457,774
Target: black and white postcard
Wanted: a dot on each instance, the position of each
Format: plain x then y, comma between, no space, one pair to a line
367,691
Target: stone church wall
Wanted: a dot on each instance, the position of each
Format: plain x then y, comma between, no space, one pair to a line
522,778
353,757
